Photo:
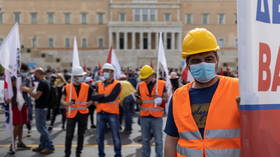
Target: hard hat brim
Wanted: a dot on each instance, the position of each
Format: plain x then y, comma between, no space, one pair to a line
145,77
186,54
82,74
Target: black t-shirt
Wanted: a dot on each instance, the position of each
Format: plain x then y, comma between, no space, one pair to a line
44,99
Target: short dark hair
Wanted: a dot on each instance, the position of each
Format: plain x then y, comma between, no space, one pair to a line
188,57
24,67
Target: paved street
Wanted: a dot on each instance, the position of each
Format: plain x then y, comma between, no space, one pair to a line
131,144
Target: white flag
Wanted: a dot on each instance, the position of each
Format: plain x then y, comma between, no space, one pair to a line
10,60
162,63
9,51
75,59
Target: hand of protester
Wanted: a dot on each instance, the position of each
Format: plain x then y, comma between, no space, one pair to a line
158,101
24,88
67,104
89,103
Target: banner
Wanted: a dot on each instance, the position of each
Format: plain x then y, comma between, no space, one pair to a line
259,73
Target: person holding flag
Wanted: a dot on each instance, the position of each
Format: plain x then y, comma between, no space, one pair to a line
203,118
76,99
107,108
19,118
151,96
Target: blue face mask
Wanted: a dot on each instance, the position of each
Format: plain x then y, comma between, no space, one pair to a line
203,72
106,75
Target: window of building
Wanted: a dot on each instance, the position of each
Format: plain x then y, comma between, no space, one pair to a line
236,43
100,18
188,19
169,43
152,14
145,42
34,42
33,18
145,15
84,18
122,17
137,14
51,43
84,43
205,18
67,43
50,17
1,18
17,17
1,41
100,43
67,18
167,16
221,42
221,18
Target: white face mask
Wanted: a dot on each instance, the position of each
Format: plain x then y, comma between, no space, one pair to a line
106,75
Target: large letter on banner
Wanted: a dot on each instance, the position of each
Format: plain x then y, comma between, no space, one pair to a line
258,54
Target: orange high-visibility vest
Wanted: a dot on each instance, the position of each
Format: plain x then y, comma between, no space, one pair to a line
222,129
109,107
80,101
148,107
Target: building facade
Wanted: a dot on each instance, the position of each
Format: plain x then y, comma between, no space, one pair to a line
131,27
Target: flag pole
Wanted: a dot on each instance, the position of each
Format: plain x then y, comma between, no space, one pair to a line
157,73
12,126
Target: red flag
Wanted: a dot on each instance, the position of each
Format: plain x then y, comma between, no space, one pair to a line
109,57
184,74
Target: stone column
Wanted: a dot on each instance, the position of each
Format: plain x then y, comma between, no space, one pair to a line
165,40
179,40
125,40
149,40
141,40
133,41
117,40
157,41
173,41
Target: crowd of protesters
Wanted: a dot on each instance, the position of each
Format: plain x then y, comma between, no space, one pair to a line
42,90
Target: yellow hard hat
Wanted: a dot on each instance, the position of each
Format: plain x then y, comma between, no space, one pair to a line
146,71
197,41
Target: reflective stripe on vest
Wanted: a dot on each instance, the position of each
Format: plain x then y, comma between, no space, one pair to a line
148,101
222,152
152,109
211,133
222,133
77,108
189,151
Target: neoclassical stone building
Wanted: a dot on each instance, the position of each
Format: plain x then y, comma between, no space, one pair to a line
131,27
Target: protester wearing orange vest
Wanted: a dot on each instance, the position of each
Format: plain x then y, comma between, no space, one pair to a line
76,104
151,95
203,118
107,108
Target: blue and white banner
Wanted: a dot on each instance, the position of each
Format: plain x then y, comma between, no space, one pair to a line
259,73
